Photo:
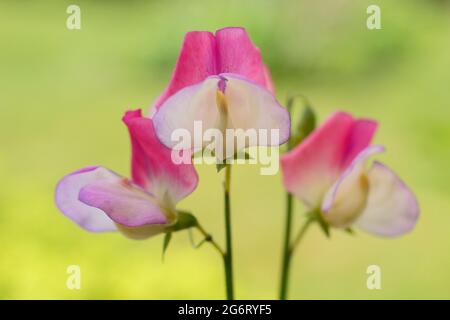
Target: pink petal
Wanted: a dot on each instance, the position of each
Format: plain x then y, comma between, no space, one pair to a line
347,198
123,202
197,60
203,54
152,166
237,54
269,83
392,208
311,168
360,137
66,199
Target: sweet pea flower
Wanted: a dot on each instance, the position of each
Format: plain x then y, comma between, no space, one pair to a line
328,173
99,199
221,82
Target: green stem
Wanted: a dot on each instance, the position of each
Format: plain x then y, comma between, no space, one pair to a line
289,248
228,256
286,253
300,235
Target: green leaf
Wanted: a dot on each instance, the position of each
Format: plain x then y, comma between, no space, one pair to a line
185,220
167,238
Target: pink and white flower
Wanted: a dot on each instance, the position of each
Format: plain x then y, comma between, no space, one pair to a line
220,81
99,199
328,173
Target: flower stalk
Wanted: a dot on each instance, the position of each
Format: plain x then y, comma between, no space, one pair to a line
289,247
286,249
228,256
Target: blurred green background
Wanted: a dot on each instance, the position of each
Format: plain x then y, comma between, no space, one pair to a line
63,94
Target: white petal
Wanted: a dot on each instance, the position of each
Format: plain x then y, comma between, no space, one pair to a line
196,103
254,107
222,102
392,208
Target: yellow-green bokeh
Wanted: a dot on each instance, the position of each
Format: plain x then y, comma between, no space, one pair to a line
63,94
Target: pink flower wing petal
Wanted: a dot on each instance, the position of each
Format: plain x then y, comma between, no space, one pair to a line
66,199
123,202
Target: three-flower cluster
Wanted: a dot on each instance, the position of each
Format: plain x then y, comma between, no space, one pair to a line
221,80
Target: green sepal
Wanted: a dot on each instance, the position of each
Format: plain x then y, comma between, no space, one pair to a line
185,220
167,238
324,226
